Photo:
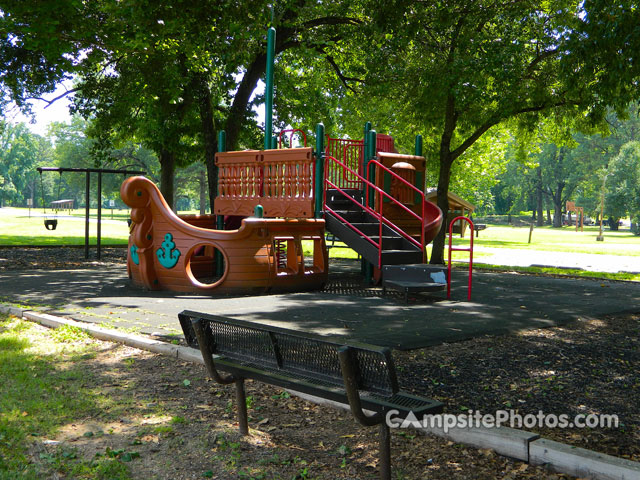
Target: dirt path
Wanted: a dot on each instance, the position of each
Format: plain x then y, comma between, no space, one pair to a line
167,420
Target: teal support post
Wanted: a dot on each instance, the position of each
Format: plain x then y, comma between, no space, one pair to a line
319,186
218,258
418,148
268,89
365,153
369,175
365,159
370,172
222,147
274,142
420,176
258,211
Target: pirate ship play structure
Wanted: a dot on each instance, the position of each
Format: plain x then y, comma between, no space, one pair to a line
359,190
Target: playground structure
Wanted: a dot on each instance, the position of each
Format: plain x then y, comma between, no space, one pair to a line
571,207
361,191
384,218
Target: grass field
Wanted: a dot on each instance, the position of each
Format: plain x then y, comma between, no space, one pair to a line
565,239
16,228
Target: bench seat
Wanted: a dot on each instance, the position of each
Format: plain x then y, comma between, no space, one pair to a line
361,376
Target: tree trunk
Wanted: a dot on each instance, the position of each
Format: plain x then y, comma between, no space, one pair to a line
556,196
203,192
539,209
437,253
548,216
209,137
557,214
167,170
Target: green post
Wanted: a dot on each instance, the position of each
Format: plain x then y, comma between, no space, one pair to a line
365,157
418,149
268,89
319,186
258,211
222,147
365,153
369,172
420,176
274,142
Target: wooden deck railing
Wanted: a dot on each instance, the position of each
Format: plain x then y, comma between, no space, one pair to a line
279,180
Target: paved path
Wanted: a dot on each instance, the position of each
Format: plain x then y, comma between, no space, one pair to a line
501,302
539,258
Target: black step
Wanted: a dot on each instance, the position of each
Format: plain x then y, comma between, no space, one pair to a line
414,278
352,216
351,238
368,228
401,257
389,242
337,200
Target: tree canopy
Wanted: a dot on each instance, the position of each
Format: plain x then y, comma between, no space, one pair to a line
169,75
457,69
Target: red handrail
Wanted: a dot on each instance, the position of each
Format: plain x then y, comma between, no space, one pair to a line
413,187
291,132
460,249
365,207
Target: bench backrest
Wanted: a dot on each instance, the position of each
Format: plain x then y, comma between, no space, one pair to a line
291,352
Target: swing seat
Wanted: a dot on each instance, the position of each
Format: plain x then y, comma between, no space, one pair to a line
51,224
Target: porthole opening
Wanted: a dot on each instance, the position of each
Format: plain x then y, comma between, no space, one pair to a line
206,264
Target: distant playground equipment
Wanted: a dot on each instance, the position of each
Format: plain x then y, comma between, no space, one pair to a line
360,191
458,207
571,207
51,221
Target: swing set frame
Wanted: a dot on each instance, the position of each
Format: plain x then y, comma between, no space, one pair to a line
88,172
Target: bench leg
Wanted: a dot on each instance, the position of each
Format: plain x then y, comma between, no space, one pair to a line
385,452
241,400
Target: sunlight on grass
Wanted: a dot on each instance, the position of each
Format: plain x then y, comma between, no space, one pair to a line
560,272
18,229
622,243
44,389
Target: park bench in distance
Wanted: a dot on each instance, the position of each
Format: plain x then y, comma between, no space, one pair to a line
359,375
479,226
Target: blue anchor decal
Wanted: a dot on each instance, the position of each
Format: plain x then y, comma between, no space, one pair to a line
168,255
134,255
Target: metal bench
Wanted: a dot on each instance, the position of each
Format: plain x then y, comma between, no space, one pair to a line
359,375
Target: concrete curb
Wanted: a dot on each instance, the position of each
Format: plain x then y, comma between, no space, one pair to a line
143,343
510,442
581,462
506,441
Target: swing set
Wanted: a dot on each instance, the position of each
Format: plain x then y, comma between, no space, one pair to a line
51,219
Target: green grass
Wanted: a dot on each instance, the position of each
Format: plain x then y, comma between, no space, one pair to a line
44,388
21,230
561,272
566,239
